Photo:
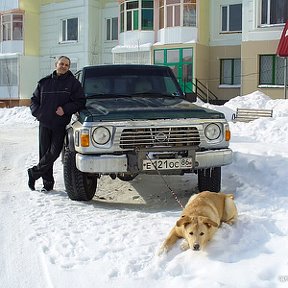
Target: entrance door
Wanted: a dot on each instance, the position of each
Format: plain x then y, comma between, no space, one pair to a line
180,60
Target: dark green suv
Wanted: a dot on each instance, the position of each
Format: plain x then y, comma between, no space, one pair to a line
137,120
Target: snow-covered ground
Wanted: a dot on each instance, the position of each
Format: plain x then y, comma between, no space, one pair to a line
47,240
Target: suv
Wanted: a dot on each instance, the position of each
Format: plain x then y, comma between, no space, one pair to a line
138,120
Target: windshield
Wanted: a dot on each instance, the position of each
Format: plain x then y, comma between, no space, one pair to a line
130,83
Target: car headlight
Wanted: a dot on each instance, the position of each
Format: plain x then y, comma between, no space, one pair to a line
212,131
101,135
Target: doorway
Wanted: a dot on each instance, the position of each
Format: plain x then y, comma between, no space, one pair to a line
180,60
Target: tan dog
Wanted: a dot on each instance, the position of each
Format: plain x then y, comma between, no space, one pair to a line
200,219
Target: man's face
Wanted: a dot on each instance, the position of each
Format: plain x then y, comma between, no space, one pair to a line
62,66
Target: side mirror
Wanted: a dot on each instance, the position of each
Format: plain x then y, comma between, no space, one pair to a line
75,117
191,97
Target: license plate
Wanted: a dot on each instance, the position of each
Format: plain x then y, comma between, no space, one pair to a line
167,164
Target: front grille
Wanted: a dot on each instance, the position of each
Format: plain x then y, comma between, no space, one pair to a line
159,137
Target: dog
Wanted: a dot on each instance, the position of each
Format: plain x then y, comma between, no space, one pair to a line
200,219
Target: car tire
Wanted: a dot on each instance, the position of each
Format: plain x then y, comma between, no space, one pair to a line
209,179
79,186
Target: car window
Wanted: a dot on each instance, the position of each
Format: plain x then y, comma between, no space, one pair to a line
130,82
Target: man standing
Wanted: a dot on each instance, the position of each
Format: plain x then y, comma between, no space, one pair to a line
55,99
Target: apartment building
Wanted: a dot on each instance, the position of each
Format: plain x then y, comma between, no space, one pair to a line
166,32
19,50
224,47
244,36
261,68
219,48
35,32
84,30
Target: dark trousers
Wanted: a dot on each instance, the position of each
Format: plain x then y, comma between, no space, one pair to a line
50,146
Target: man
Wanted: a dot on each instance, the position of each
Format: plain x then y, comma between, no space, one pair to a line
56,98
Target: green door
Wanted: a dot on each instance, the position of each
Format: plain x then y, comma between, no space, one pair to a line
180,60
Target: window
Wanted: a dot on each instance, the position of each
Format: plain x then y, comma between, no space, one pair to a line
161,14
232,18
11,27
135,15
189,13
112,29
181,63
271,70
147,15
70,29
129,13
274,12
173,55
174,13
8,72
159,56
132,13
230,72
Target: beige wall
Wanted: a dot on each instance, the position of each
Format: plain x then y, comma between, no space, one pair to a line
32,26
215,54
203,8
250,67
201,64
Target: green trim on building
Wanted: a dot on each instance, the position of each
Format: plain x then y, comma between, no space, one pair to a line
180,60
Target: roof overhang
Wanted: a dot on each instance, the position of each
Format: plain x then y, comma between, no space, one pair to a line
132,48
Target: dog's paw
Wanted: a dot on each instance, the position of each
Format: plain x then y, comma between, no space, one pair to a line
231,221
184,245
163,250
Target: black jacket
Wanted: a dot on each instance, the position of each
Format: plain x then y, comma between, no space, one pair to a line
53,91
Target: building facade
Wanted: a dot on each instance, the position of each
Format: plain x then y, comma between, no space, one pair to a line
19,50
221,48
84,30
165,32
261,68
225,47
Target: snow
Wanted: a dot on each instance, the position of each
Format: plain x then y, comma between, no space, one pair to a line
47,240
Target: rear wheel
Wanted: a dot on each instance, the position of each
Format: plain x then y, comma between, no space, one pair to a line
79,186
209,179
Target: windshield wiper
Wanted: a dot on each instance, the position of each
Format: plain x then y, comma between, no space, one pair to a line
138,94
156,94
106,95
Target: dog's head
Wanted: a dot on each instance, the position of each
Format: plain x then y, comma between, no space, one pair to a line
195,230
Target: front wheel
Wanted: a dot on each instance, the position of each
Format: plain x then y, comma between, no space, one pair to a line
79,186
209,179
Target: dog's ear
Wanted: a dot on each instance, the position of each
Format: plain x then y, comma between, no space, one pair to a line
184,220
207,221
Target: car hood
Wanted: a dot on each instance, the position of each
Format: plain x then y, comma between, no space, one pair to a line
144,108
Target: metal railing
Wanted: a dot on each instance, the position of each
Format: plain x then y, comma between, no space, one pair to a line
202,91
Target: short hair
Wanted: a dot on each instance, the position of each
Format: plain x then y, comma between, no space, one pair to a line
65,57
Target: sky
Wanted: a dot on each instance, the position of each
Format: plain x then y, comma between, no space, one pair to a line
47,240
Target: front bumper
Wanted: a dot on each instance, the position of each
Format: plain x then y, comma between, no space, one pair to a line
213,158
119,163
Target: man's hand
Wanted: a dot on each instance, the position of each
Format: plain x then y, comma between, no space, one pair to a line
60,111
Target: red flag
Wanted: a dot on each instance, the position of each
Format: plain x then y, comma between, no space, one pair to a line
282,49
